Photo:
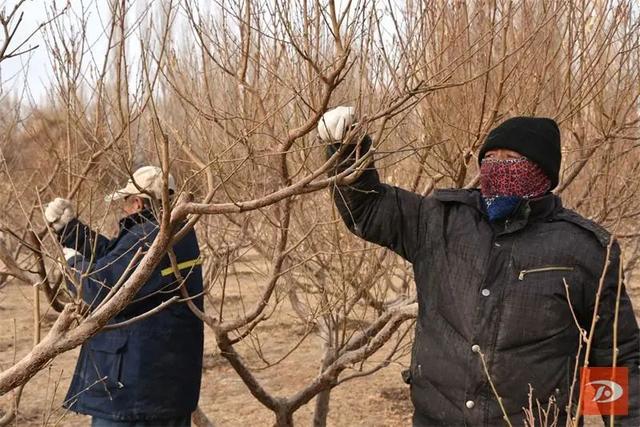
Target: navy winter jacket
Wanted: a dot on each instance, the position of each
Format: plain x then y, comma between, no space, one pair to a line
152,368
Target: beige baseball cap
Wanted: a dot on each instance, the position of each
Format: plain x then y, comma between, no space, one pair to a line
145,182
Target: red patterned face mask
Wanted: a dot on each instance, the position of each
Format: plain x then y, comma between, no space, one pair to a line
503,183
513,177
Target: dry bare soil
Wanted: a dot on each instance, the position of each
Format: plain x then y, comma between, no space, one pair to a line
378,400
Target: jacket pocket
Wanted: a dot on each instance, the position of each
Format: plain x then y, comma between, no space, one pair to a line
103,370
524,273
535,304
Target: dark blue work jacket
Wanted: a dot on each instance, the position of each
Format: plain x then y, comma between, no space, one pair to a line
152,368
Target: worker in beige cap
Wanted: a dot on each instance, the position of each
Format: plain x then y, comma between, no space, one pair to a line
146,373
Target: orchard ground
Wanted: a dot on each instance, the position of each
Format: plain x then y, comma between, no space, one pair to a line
381,399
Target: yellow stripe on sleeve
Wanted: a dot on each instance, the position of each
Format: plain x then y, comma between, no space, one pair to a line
186,264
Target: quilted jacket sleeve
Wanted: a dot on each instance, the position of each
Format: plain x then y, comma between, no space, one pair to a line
379,213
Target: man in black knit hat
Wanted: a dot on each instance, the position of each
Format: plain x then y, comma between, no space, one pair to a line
490,267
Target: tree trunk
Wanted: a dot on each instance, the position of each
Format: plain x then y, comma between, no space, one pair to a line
323,398
322,408
284,418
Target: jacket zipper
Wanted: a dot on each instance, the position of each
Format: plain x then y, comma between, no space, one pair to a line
542,270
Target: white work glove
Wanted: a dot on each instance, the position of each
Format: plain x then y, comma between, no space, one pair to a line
69,253
335,123
58,213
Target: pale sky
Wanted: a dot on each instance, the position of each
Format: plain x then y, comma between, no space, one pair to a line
29,75
34,68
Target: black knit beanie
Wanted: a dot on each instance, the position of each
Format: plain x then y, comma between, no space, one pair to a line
536,138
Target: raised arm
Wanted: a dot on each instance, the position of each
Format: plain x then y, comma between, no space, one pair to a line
77,235
98,275
71,232
379,213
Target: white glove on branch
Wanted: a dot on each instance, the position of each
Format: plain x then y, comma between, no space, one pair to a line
69,253
58,213
335,124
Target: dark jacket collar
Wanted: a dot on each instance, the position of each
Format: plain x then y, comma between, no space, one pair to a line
544,207
528,211
141,217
